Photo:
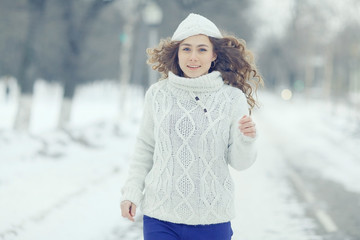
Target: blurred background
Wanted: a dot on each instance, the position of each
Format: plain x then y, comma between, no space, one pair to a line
308,48
72,79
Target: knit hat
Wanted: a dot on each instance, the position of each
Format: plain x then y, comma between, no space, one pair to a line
195,24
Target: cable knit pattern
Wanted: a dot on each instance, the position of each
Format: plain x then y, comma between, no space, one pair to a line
188,137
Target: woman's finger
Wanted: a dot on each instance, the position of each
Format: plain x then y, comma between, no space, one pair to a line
245,119
133,210
249,130
247,125
250,134
126,210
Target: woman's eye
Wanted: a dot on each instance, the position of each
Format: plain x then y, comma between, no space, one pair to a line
202,50
186,49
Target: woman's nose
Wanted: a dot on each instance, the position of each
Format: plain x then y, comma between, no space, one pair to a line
193,55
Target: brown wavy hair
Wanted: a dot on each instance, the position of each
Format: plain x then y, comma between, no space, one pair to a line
234,61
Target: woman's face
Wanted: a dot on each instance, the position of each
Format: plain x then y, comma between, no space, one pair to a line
195,56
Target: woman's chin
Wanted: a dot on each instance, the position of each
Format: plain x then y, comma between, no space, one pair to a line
194,74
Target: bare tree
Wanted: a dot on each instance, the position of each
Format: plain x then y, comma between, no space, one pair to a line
25,78
132,15
75,37
345,62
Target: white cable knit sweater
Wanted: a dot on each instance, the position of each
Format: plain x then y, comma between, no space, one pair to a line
188,136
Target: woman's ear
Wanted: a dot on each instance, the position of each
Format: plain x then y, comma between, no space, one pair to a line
214,57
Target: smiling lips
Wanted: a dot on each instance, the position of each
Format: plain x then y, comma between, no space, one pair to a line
194,67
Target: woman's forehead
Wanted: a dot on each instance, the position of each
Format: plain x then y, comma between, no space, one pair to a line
197,40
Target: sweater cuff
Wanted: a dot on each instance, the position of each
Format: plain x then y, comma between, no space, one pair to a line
133,195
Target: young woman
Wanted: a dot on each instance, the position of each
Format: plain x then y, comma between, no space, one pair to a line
195,123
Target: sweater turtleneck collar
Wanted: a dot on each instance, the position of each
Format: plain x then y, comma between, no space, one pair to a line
205,83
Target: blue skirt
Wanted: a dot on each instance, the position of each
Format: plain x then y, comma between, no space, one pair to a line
155,229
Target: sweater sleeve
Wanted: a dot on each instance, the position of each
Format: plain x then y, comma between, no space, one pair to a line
242,149
142,160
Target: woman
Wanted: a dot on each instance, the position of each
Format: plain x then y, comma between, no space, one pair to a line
195,123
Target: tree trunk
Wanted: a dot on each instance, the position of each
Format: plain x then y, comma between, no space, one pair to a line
26,80
125,67
309,77
328,75
22,120
131,14
65,112
75,37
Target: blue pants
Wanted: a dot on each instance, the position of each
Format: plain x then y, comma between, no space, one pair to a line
155,229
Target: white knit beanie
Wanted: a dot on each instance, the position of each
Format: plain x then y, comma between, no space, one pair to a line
195,24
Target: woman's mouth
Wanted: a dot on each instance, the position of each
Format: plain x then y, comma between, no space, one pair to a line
194,67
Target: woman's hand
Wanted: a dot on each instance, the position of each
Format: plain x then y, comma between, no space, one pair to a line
247,126
128,210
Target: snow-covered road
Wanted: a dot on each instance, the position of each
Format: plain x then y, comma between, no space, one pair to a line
75,196
57,185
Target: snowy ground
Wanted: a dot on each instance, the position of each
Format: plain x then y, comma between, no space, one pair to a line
66,184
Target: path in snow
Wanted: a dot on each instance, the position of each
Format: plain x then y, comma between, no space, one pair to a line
59,186
75,196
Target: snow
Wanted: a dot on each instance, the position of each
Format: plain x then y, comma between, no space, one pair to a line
325,131
46,103
268,208
66,184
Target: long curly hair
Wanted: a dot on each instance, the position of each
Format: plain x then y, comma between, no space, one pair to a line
234,61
